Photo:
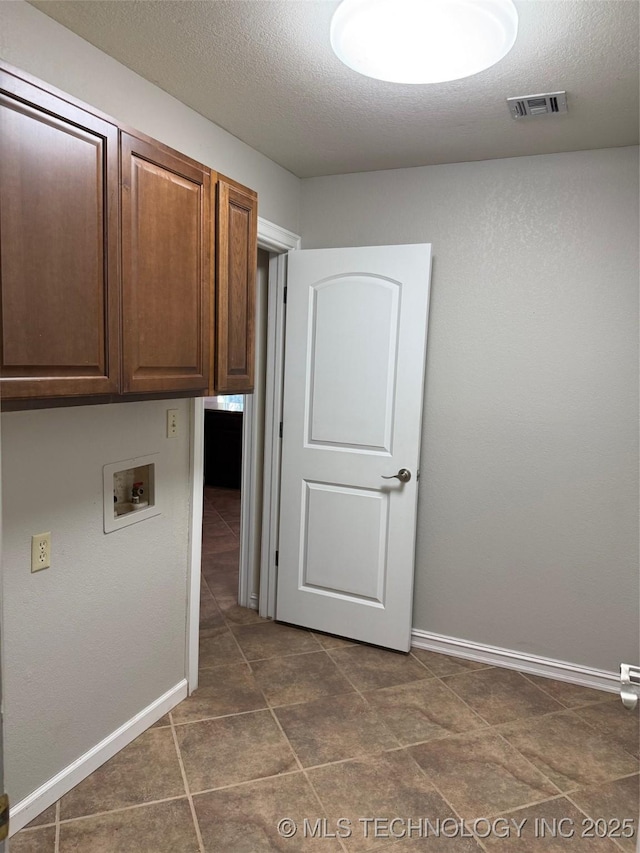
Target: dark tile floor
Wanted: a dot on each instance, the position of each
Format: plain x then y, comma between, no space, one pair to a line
291,724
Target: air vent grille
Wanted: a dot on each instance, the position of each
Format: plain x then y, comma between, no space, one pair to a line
538,105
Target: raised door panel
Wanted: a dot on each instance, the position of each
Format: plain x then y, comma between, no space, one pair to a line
59,257
166,245
236,259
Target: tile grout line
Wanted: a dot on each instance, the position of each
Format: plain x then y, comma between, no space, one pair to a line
270,709
288,742
529,805
206,583
355,687
240,649
210,539
480,666
185,781
494,726
493,815
422,663
237,502
374,710
465,703
289,655
231,530
572,713
345,692
560,709
119,810
600,731
220,717
532,718
205,515
573,803
437,789
586,704
567,796
219,553
530,763
322,806
246,782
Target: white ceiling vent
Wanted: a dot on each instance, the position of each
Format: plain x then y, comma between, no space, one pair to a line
538,105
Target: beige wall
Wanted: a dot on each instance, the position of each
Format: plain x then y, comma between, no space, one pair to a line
100,635
528,503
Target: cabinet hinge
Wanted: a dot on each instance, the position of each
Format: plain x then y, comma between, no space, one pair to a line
277,558
4,817
284,299
281,428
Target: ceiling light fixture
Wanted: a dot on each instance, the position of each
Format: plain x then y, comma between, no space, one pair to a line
423,41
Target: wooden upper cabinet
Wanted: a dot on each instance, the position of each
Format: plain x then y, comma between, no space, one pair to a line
106,260
166,269
58,246
236,265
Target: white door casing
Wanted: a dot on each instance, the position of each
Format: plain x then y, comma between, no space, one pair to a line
353,390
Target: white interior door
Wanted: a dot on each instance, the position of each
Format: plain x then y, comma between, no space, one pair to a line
353,389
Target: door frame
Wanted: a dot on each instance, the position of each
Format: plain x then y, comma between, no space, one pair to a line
277,241
276,314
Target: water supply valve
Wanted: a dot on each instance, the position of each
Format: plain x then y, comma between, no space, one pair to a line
629,685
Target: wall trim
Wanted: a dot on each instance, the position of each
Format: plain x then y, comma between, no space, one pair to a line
196,479
574,673
247,497
49,793
273,238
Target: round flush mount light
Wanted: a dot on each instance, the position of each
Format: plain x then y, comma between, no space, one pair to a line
423,41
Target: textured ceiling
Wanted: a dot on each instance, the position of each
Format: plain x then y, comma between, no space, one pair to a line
264,70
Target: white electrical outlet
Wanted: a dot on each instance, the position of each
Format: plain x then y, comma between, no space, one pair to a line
40,551
172,423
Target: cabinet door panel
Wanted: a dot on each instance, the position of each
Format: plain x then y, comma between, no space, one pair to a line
166,240
236,260
58,260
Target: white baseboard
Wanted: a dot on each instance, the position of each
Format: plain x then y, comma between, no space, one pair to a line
49,793
253,601
585,676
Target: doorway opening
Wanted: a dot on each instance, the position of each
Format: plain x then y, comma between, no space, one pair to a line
243,572
230,445
223,416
